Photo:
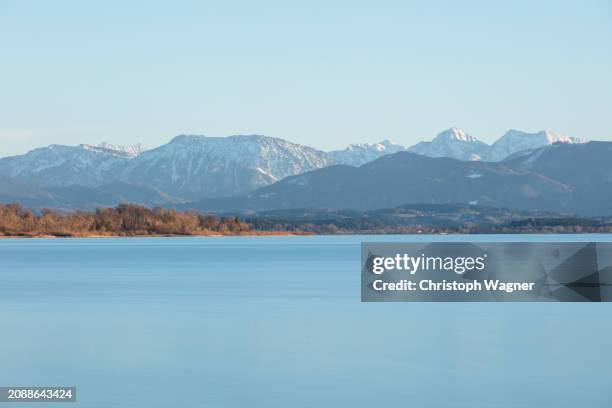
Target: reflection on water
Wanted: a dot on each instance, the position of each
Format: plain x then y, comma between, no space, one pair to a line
277,322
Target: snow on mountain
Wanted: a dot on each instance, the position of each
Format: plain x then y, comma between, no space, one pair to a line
194,167
198,166
187,167
459,145
453,142
515,141
119,150
359,154
58,165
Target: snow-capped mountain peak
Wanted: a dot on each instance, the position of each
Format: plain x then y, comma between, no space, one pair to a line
456,134
458,144
59,165
358,154
514,141
194,166
189,167
388,146
453,142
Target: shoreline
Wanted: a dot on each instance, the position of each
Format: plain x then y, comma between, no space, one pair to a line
291,234
259,234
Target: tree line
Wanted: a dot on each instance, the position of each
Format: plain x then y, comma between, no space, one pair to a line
136,220
123,220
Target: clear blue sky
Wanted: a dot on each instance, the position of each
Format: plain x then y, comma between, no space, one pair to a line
322,73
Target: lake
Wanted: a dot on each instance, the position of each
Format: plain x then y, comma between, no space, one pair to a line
252,322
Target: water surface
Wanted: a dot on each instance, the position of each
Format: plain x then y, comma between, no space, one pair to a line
277,322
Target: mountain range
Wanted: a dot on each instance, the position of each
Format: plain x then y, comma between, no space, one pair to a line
403,178
259,172
191,167
457,144
563,178
186,168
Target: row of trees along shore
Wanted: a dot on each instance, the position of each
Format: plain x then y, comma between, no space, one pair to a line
136,220
123,220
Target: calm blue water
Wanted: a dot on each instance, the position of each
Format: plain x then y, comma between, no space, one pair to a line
277,322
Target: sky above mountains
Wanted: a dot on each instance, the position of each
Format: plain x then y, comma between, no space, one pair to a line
320,74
